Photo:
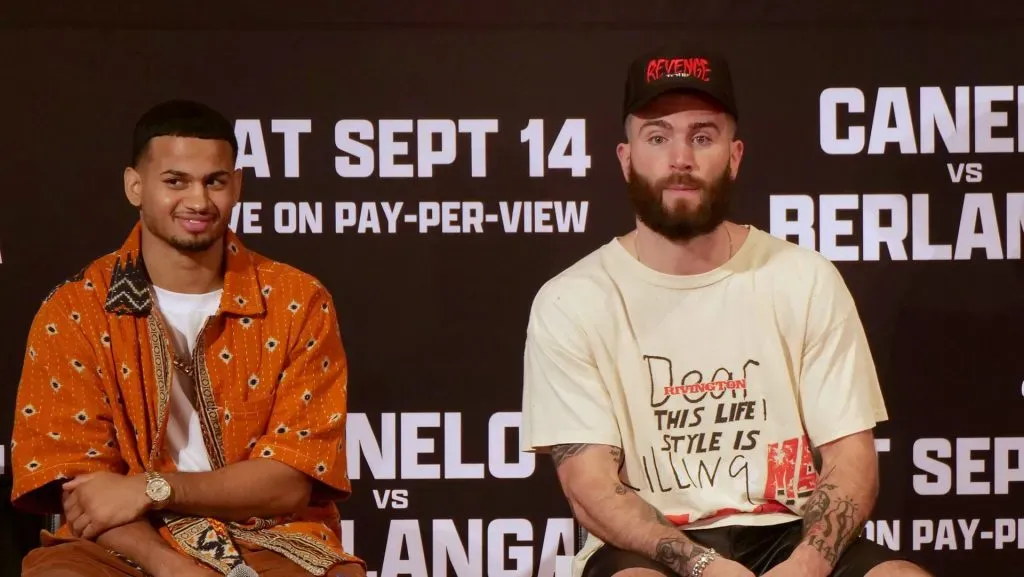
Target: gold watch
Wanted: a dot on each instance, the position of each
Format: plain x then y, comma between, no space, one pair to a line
158,490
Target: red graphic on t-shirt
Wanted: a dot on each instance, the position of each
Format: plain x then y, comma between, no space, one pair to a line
658,68
685,519
679,520
772,507
791,473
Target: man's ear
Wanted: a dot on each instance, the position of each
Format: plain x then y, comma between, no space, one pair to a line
735,157
237,178
622,151
133,186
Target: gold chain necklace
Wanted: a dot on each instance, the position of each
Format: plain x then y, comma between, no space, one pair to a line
181,365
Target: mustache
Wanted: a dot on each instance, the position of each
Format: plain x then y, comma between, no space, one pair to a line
681,179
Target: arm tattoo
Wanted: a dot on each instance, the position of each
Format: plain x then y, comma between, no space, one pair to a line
624,489
677,554
661,519
831,521
560,453
674,552
617,456
656,515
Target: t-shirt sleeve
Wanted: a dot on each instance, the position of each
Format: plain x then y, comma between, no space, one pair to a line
839,390
63,424
307,422
565,400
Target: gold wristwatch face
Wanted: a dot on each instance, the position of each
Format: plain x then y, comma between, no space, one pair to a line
158,490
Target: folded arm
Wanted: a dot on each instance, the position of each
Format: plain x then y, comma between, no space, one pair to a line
836,513
613,512
97,502
302,457
63,425
254,488
140,542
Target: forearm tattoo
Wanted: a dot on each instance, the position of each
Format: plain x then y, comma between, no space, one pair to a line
831,521
656,515
677,553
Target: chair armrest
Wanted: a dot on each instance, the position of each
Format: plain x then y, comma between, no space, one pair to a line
52,522
581,536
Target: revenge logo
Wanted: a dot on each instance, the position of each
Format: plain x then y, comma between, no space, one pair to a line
659,68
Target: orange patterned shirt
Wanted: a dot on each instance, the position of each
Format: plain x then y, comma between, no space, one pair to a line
271,378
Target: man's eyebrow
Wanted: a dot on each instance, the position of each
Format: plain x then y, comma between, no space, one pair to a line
695,126
182,174
655,124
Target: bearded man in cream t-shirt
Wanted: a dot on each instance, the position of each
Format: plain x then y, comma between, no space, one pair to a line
682,376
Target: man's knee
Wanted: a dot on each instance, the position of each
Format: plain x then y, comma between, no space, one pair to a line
610,561
347,570
49,562
74,559
58,572
898,569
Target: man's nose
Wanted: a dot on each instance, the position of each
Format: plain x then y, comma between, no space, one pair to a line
683,159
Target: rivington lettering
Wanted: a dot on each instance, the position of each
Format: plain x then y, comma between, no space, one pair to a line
692,386
721,451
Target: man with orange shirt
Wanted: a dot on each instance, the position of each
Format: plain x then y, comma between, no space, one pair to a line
183,400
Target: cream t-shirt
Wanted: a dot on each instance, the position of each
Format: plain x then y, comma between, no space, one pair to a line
716,386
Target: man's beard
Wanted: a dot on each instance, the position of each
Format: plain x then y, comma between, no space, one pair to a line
193,244
680,222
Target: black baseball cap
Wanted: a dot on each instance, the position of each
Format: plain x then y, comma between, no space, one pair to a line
682,67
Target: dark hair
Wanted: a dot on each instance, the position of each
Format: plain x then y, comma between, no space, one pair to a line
184,118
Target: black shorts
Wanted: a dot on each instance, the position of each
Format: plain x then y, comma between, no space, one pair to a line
756,548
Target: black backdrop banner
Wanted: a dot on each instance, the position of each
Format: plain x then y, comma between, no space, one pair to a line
434,167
